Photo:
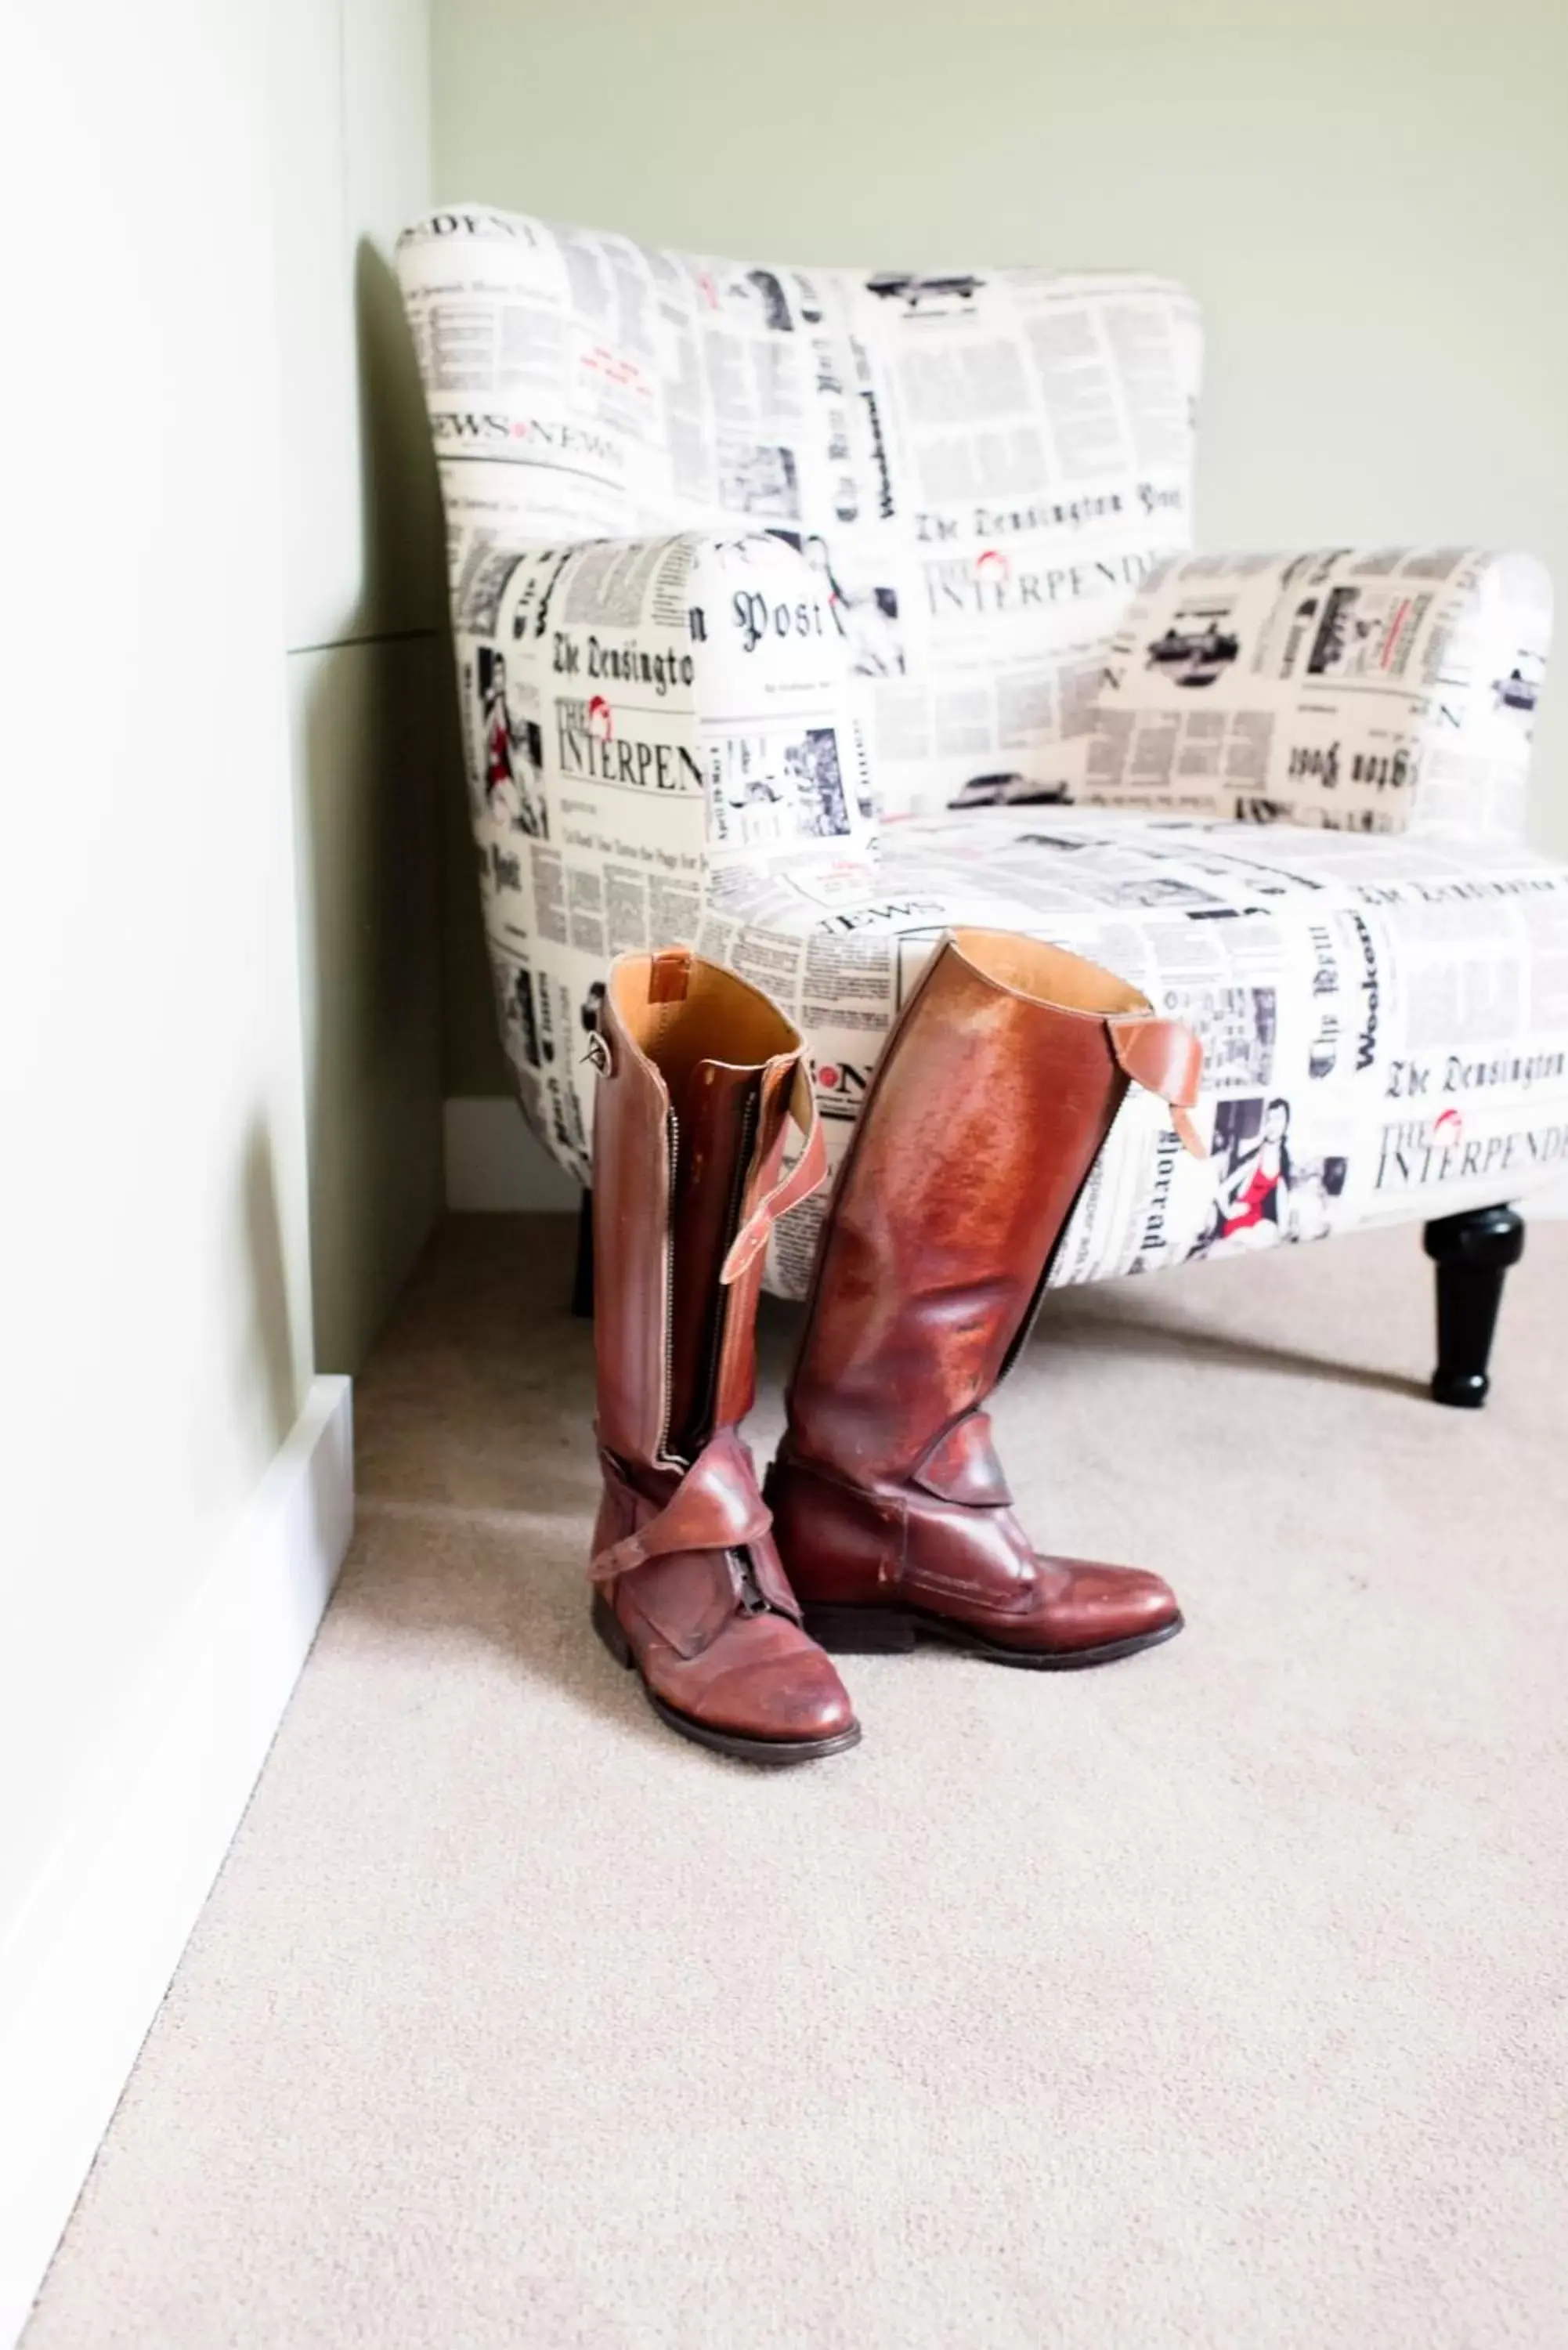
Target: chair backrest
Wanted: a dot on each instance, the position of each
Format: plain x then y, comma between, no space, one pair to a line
980,465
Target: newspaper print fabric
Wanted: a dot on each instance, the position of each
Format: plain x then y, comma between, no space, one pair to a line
1362,691
975,469
1384,1023
642,716
715,534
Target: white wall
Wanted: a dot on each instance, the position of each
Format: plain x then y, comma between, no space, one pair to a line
158,1306
156,1290
1370,201
364,621
220,1040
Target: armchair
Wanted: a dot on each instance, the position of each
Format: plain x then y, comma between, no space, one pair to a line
801,614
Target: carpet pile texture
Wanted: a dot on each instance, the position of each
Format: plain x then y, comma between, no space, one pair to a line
1217,1998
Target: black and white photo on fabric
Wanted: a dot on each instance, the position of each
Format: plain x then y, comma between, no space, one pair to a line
1264,1191
812,764
954,291
867,616
769,288
767,786
761,482
1009,789
1195,648
1235,1026
514,752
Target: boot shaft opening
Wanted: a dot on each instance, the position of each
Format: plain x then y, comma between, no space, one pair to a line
1047,974
680,1010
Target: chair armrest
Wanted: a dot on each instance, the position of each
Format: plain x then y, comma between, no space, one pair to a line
1383,690
682,698
641,718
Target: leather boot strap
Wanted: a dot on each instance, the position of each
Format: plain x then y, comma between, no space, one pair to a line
1166,1059
716,1506
799,1183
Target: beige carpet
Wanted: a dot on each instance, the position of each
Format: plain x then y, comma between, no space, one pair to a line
1217,1998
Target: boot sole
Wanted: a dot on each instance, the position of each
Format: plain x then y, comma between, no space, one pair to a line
775,1752
895,1632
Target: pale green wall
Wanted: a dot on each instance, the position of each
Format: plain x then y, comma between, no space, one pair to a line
1371,201
153,1192
368,665
218,882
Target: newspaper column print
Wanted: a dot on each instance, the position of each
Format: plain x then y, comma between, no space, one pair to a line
1376,691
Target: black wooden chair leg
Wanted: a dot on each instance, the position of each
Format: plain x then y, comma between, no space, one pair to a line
583,1270
1471,1253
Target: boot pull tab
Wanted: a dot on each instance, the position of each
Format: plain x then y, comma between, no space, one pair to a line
1166,1059
801,1182
669,975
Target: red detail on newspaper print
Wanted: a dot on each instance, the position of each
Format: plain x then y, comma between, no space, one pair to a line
1393,638
1254,1202
497,753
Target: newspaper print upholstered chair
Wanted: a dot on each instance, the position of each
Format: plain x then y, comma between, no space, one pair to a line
800,613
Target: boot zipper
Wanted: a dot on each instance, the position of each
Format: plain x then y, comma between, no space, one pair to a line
731,1226
746,1590
752,1602
749,1598
671,1145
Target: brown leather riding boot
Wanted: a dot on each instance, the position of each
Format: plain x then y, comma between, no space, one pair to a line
699,1077
987,1107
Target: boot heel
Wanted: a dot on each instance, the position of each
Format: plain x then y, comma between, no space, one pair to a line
606,1624
861,1631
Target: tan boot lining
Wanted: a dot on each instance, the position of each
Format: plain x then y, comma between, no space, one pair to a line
1049,973
720,1018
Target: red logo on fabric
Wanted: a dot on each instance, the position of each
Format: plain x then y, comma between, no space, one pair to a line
599,720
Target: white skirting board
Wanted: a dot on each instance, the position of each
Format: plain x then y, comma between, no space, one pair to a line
97,1940
493,1161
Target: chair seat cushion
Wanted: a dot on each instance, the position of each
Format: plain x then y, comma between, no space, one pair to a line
1384,1020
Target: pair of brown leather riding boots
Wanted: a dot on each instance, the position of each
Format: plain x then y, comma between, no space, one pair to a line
887,1503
